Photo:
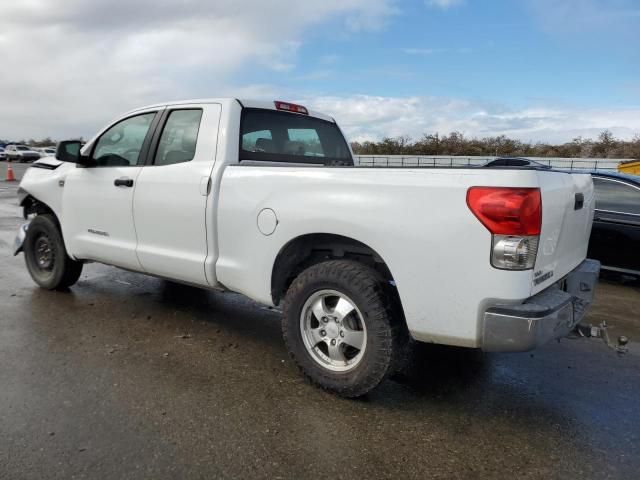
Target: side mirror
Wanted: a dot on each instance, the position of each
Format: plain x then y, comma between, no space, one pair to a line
69,151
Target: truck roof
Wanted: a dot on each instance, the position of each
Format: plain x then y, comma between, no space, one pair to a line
245,103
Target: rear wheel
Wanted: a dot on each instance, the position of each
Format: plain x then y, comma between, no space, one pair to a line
339,327
46,256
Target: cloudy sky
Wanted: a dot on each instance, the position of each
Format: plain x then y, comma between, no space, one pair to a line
533,69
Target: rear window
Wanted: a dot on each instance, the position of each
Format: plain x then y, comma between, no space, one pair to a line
273,136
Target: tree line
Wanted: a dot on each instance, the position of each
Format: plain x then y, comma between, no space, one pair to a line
605,146
457,144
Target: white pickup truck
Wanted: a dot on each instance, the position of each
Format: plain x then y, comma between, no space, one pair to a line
262,198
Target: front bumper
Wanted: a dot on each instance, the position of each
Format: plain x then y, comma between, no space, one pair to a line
550,314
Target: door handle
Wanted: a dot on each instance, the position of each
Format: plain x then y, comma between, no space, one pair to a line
123,182
205,186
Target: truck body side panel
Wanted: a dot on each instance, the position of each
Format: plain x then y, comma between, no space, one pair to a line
417,220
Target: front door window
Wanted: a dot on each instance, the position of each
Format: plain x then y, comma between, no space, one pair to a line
121,144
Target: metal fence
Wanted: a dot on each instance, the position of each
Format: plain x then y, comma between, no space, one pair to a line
452,161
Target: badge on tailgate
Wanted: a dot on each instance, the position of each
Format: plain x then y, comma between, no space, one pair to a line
540,276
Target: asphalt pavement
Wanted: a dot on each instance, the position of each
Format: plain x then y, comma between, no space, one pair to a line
126,376
18,169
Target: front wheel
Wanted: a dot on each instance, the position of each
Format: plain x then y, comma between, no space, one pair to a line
339,327
46,256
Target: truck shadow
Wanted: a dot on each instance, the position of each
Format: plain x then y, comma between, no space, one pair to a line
437,369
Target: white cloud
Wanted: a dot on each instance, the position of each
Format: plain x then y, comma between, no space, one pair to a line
432,51
421,51
372,118
443,4
70,65
569,18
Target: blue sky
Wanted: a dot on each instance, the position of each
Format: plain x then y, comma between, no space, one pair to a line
532,69
502,51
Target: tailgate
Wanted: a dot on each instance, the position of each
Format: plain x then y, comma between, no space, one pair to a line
567,215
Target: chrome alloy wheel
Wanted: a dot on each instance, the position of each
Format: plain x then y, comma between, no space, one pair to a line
333,330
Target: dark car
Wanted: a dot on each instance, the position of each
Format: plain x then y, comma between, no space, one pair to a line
515,162
615,238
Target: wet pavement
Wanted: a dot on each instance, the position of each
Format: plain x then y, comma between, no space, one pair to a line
126,376
18,170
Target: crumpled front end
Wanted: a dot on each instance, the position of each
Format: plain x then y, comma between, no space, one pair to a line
18,242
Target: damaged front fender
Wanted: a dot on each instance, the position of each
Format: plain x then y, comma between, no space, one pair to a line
22,196
18,243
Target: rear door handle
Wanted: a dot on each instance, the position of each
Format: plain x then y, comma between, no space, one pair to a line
123,182
205,186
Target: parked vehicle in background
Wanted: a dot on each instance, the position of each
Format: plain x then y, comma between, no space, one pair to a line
21,153
3,156
515,162
263,199
46,151
615,237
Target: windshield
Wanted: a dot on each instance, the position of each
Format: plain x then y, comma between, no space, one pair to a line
21,148
274,136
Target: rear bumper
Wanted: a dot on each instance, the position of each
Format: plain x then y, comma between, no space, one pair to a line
550,314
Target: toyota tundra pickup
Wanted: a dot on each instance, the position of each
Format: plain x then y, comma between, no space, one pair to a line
263,198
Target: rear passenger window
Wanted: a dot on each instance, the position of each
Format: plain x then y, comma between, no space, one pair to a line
179,137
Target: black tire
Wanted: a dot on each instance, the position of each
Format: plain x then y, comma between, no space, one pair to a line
371,295
46,256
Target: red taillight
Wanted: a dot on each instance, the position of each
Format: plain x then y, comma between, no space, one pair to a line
507,210
291,107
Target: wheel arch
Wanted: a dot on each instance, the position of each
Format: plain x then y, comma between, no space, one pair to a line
31,205
306,250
